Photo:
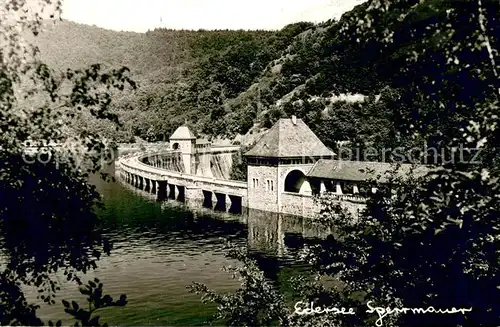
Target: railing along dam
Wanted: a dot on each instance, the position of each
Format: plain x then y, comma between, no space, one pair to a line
163,173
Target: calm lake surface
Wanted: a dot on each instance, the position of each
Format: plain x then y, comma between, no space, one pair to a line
161,248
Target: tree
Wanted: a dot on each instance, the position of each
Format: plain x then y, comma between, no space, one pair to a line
256,303
47,206
434,243
239,169
431,240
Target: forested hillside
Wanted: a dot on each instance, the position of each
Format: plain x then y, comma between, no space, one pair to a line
230,83
392,72
182,75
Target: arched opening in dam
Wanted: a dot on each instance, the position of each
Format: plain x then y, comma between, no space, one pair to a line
294,181
181,193
171,191
221,202
207,199
236,204
162,190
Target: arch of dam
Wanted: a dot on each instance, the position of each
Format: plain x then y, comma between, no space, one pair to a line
189,170
288,169
163,174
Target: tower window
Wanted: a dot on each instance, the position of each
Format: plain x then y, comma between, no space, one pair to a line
269,185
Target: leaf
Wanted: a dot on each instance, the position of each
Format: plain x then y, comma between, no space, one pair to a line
94,321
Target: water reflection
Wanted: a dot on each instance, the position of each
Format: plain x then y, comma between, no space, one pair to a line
161,248
263,232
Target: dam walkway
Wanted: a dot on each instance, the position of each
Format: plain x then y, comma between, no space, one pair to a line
218,194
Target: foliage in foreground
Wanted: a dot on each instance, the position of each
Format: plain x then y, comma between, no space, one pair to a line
256,303
432,240
96,300
47,219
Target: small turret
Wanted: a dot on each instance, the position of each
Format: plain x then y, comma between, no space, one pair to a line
183,140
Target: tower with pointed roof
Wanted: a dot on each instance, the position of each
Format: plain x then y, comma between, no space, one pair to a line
280,161
184,141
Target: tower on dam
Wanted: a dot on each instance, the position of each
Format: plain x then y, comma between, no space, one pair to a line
184,141
279,162
287,169
197,155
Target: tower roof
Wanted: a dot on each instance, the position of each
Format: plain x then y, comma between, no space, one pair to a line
182,133
289,138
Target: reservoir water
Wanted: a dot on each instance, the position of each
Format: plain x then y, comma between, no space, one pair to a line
161,248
